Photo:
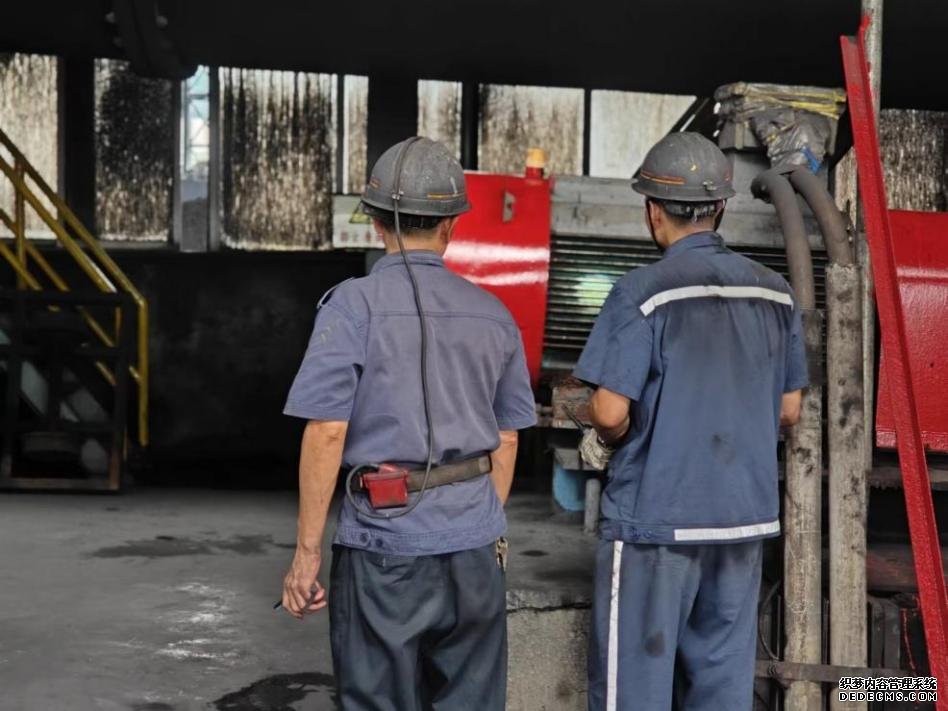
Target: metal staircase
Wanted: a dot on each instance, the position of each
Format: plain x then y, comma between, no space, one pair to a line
72,357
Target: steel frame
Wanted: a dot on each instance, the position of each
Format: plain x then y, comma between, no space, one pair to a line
916,483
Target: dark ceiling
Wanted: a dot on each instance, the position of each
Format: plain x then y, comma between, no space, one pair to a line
672,46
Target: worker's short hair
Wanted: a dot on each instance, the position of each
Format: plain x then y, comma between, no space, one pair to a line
690,211
408,223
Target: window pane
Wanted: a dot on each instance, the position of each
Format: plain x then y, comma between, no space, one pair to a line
28,105
277,144
913,158
196,130
356,112
134,147
625,125
439,113
515,118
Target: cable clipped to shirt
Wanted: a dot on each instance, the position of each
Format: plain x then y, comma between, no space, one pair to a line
355,471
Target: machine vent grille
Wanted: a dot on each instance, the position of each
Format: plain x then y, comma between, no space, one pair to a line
583,270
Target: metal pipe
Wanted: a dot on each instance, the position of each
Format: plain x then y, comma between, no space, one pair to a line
804,462
774,188
827,215
847,488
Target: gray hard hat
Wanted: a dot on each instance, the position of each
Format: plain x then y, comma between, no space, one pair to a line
685,167
431,181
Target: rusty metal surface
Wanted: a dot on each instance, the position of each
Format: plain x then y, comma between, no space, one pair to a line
570,402
879,235
277,150
134,139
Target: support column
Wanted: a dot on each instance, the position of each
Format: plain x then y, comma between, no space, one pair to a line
470,123
77,136
803,595
851,354
848,481
393,114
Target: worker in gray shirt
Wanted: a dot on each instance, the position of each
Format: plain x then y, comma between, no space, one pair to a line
416,381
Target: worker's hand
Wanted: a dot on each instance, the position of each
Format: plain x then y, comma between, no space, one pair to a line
593,451
302,593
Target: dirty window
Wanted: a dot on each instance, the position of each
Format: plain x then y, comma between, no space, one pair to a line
277,152
439,113
28,105
913,158
624,125
515,118
355,140
134,153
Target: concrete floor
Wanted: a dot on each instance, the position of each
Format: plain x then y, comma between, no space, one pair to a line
161,600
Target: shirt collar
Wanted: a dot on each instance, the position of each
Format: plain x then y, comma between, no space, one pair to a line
695,241
415,256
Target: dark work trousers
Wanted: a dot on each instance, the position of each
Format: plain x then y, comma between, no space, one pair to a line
413,633
655,605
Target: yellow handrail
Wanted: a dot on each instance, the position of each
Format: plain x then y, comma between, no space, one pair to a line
102,270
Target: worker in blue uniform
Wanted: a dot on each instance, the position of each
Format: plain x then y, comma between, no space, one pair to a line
697,361
416,380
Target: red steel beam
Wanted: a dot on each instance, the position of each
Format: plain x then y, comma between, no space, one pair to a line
916,484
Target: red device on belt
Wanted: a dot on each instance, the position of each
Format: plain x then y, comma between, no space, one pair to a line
387,487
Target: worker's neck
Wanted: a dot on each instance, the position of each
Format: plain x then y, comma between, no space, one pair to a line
676,235
414,244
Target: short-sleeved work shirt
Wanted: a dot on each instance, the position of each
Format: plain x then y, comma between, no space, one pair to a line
363,366
705,343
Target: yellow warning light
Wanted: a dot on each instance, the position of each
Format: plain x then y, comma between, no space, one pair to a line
536,158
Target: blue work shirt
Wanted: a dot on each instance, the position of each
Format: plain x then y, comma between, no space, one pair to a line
363,366
705,343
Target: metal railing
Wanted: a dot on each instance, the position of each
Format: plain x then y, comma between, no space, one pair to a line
84,249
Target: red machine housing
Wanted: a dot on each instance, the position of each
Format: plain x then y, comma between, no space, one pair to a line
921,257
503,245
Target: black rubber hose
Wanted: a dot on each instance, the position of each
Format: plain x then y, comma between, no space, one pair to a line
776,189
828,216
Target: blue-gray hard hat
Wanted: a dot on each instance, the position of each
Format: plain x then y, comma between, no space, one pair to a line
431,182
685,167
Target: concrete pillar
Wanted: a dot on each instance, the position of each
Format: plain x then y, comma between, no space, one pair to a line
803,597
848,480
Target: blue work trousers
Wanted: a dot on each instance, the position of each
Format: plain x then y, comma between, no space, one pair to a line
419,633
655,605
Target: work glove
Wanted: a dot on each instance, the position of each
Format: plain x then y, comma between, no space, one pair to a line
594,452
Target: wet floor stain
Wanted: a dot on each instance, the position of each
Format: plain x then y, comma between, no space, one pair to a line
163,546
533,553
279,692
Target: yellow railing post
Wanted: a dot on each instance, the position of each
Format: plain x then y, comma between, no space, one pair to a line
99,267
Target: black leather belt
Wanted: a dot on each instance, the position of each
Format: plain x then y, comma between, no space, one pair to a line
444,474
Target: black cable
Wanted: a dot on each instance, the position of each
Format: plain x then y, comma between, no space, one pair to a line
396,196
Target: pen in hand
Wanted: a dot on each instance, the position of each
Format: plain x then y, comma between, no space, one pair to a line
314,591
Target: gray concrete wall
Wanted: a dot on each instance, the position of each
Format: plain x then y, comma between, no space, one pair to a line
228,331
